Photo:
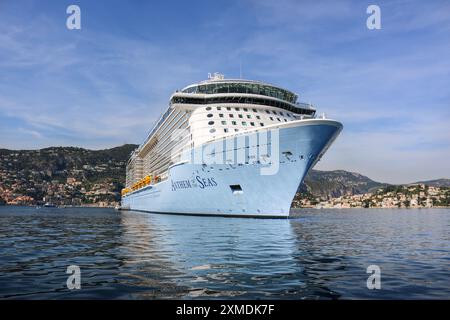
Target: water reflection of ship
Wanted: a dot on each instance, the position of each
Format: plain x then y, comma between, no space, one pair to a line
322,265
146,260
233,258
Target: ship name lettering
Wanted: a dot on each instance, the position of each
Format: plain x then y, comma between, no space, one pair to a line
206,182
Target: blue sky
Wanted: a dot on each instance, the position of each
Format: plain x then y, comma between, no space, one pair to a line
106,84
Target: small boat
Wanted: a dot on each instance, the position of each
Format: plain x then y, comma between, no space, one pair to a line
49,205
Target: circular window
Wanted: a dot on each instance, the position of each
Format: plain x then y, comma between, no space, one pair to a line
208,108
209,115
211,123
212,130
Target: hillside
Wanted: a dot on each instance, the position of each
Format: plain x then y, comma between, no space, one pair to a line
332,184
435,183
64,175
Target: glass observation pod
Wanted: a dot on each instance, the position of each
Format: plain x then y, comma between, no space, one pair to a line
241,92
240,86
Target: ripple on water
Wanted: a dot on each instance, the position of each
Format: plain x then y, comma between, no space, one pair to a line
319,254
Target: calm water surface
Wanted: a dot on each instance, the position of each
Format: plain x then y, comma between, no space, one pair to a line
319,254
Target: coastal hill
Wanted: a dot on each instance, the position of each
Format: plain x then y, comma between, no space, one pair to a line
336,183
435,183
77,176
63,175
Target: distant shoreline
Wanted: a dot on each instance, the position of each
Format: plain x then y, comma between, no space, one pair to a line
294,208
62,206
385,208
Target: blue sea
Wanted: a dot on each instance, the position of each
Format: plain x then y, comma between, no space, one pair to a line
317,254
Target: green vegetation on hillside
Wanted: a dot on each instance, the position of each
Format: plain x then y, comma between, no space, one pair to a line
64,175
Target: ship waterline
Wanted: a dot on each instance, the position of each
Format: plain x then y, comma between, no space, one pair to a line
204,169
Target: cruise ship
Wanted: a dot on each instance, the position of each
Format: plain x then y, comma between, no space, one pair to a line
227,147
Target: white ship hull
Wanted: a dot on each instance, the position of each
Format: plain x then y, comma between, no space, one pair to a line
241,190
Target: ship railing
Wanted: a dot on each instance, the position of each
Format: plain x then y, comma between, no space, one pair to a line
305,105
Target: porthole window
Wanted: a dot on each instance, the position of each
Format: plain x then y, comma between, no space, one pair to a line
212,130
258,117
254,110
228,108
224,122
244,123
211,123
237,109
285,120
278,119
209,115
289,115
281,114
261,124
271,118
221,115
231,115
219,108
236,130
225,130
252,124
249,116
245,109
233,123
208,108
267,111
240,116
274,112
